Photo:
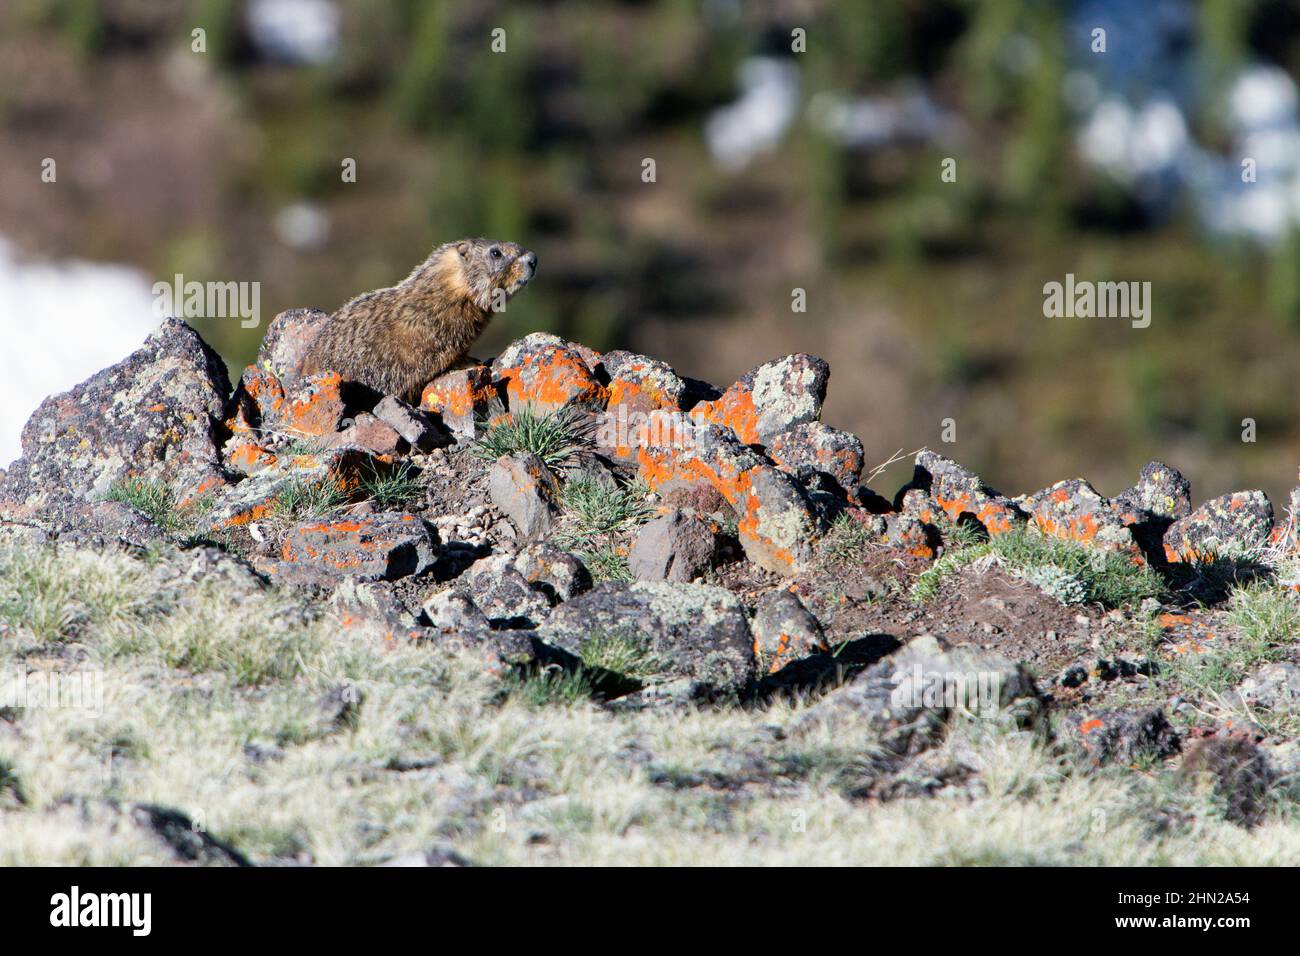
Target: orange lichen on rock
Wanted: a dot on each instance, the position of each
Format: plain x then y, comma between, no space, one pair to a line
544,373
317,408
464,392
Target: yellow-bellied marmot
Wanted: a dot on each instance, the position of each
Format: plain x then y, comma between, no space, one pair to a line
395,340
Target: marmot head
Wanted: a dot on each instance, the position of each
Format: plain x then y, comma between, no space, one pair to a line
491,269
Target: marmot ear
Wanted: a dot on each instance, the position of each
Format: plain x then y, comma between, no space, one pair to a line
463,248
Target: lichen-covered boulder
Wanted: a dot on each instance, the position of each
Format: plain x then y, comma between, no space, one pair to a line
453,609
315,407
638,383
812,450
503,594
1161,492
911,696
1125,736
557,574
1235,525
462,399
383,546
696,456
695,631
909,533
784,630
960,494
777,527
248,456
95,524
544,373
1075,511
151,416
258,403
770,399
286,342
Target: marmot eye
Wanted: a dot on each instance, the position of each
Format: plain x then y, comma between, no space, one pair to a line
494,252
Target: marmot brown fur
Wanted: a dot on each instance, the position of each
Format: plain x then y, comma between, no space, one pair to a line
395,340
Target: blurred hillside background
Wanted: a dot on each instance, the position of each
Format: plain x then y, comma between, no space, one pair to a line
775,170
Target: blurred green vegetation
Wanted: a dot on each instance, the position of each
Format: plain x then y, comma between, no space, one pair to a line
543,144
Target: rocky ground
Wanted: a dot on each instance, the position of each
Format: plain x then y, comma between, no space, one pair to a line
576,608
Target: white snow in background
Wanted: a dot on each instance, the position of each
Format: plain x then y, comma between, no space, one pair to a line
1131,143
60,323
295,31
1133,105
754,123
1262,103
875,121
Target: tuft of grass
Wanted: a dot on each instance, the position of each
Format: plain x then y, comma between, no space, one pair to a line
557,439
1083,574
302,446
303,499
595,509
390,489
1266,617
843,544
157,502
595,523
550,687
57,597
605,562
958,535
1267,621
621,653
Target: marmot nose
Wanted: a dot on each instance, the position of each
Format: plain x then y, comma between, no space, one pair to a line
531,259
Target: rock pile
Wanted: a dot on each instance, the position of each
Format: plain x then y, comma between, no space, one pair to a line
399,518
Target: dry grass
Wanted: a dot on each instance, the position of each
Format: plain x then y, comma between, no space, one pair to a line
209,707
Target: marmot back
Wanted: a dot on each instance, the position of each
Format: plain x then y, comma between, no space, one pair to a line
395,340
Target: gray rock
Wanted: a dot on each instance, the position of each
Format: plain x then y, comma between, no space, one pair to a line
1274,686
524,489
555,573
371,607
812,449
778,526
503,594
418,429
91,524
151,416
453,609
784,630
690,630
374,547
1160,492
286,342
911,696
676,546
